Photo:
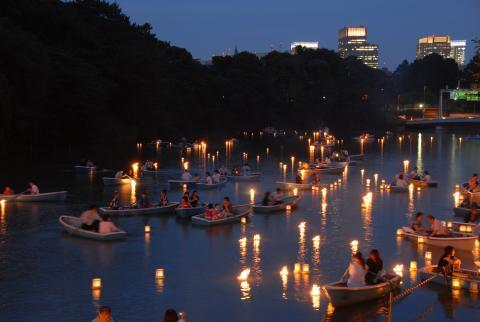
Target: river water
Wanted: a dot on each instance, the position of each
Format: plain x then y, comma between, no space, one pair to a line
46,275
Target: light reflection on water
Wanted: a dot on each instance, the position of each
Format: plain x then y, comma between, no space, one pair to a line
201,261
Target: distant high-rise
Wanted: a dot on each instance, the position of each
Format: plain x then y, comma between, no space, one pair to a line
352,41
457,51
303,44
433,45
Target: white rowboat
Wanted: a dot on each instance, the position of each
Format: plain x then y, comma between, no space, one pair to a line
287,201
189,212
238,213
463,278
461,241
292,185
155,210
47,196
248,177
116,181
340,295
72,225
206,186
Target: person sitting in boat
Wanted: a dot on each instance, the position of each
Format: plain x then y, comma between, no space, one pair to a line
33,188
448,262
235,171
472,216
245,169
210,212
107,226
195,199
208,178
186,176
267,201
356,271
163,198
437,228
196,177
185,203
227,207
119,174
115,202
217,176
401,182
8,191
277,197
90,219
327,161
414,174
144,201
426,176
222,171
417,224
473,183
298,179
374,268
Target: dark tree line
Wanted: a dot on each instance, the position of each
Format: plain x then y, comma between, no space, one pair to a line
80,71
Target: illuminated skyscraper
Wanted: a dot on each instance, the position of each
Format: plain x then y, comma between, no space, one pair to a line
457,51
433,45
352,41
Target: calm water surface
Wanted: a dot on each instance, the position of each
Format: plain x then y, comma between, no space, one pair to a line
45,274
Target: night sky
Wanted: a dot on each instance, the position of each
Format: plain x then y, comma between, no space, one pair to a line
212,27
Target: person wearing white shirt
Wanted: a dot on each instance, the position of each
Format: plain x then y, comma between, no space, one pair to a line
438,229
208,178
186,176
33,188
401,182
119,174
356,271
216,176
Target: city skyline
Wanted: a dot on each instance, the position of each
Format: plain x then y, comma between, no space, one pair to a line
261,26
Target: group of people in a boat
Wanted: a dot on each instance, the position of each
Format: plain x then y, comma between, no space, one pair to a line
214,178
31,190
142,202
361,272
401,180
275,198
436,227
244,170
190,200
92,221
314,179
217,211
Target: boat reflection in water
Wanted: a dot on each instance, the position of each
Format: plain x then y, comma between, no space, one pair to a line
356,313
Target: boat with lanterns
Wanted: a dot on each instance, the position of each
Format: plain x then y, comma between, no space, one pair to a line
423,183
210,186
131,211
41,197
365,138
463,227
287,203
239,212
189,212
73,226
340,295
108,181
463,241
460,279
252,176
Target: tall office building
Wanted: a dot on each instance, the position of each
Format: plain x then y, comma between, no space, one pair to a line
457,51
433,45
352,41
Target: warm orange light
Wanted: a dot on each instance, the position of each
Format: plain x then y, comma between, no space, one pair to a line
244,274
96,283
147,229
159,273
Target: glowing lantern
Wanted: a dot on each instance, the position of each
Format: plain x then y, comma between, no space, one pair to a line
244,274
96,283
284,271
252,195
405,165
449,224
295,191
135,169
159,273
398,269
315,290
462,228
420,240
375,178
256,238
455,283
413,265
185,165
354,243
288,207
244,220
155,165
147,229
297,268
428,255
399,232
305,268
468,229
302,225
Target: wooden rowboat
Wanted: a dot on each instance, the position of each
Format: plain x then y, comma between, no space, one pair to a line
463,241
324,170
247,177
422,183
205,186
116,181
72,225
461,279
81,168
292,185
238,213
340,295
287,201
47,196
189,212
181,183
155,210
8,197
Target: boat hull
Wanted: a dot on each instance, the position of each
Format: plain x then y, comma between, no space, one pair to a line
204,186
420,183
250,177
461,241
72,226
189,212
181,183
115,181
239,213
291,201
341,296
462,279
139,211
42,197
292,185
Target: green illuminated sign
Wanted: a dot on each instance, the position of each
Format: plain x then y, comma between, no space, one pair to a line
465,95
